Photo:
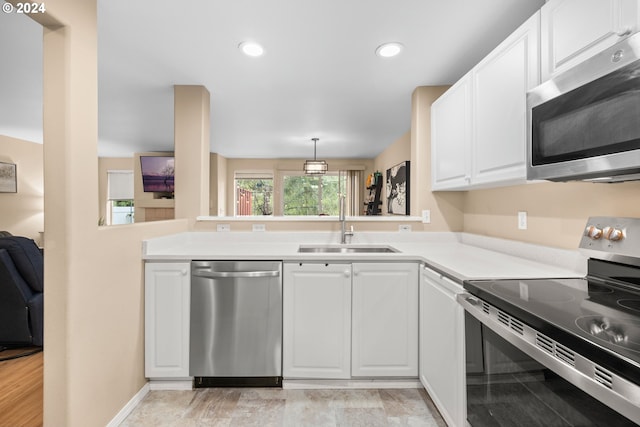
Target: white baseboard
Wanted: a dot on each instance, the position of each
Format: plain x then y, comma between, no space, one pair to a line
171,384
131,404
350,384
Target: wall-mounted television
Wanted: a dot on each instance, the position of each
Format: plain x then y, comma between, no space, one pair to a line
157,173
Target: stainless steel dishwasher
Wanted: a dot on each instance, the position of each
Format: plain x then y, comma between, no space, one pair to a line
236,323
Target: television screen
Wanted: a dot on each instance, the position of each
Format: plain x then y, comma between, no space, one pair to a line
157,173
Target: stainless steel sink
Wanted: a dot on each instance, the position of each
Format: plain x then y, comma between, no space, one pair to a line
346,249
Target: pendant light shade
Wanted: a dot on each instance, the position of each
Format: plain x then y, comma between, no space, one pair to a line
315,167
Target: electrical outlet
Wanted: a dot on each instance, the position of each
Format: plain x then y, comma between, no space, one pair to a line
223,227
258,227
404,227
522,220
426,216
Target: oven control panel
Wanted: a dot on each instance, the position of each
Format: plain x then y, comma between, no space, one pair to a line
612,235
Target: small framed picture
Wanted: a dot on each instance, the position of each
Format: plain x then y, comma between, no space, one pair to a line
8,179
398,189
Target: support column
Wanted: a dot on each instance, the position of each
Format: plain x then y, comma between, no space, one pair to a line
191,146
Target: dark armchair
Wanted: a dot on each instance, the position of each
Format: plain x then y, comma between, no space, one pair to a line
21,287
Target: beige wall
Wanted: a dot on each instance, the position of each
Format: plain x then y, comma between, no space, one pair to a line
93,361
446,207
106,164
21,213
557,212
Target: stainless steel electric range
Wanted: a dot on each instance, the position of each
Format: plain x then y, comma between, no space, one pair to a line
560,351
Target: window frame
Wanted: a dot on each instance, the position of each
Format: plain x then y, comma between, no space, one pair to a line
253,174
349,184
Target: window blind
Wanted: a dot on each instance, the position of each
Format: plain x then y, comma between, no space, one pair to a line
120,185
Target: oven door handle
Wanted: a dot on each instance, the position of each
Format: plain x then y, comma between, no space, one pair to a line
474,306
468,301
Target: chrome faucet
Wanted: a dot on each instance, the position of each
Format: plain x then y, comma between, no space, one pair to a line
343,223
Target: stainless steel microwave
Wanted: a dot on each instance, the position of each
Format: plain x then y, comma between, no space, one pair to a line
584,124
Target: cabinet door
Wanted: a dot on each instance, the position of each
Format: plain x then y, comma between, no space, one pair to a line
500,84
385,320
451,137
167,299
574,30
442,347
316,321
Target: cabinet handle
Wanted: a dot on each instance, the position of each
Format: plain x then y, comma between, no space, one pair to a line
356,272
183,271
347,273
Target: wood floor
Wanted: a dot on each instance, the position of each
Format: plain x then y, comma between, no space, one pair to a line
21,390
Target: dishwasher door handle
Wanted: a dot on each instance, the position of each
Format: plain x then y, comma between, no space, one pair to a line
235,274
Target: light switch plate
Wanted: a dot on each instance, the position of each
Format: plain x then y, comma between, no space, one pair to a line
258,227
223,227
522,220
404,227
426,216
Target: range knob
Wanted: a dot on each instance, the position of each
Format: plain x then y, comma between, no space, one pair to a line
613,234
593,232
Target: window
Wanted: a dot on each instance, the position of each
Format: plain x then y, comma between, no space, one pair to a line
312,195
120,197
254,193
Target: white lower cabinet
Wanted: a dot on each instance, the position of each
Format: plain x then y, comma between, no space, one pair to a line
316,320
350,320
385,320
167,293
442,356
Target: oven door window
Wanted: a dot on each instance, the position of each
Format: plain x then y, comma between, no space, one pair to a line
596,119
512,389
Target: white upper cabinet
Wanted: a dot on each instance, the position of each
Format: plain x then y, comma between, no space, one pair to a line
451,137
500,84
574,30
479,125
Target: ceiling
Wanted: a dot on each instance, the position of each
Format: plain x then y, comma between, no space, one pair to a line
319,76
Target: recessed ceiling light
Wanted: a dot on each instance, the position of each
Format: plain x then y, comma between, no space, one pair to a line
389,50
251,49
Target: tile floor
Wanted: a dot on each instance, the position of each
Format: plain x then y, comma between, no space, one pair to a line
279,407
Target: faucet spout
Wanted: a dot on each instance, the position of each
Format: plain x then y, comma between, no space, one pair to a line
343,222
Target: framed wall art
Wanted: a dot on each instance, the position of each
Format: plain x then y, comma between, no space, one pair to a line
398,189
8,179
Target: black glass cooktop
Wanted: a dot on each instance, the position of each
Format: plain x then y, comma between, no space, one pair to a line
597,316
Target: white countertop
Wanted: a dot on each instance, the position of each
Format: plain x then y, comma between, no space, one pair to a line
460,256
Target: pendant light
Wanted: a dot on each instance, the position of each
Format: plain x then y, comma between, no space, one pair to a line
315,167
